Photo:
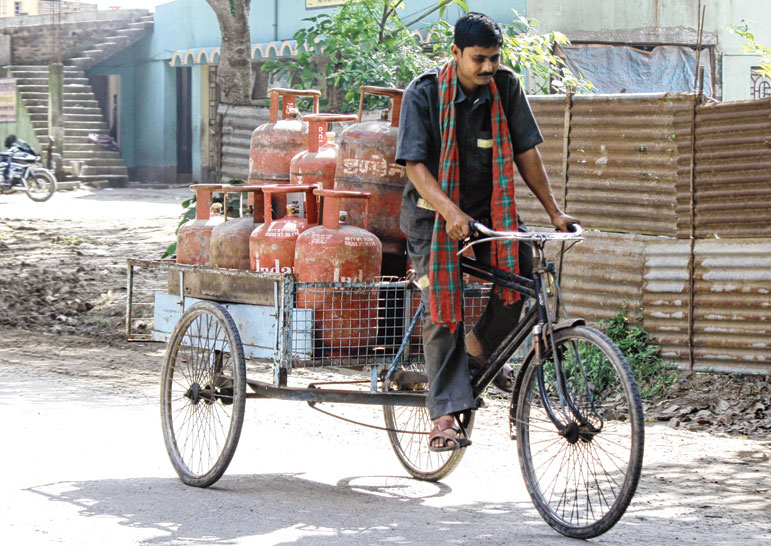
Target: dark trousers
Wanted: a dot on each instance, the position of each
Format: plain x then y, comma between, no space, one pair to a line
445,352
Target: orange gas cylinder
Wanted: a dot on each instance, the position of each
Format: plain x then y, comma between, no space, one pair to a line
367,162
193,237
275,143
272,245
317,164
229,246
345,319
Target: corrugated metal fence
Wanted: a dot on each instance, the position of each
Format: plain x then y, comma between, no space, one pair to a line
644,171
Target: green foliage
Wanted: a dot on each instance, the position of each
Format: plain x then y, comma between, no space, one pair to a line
188,212
653,375
528,52
368,43
752,47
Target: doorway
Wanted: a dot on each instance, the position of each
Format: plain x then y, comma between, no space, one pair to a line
184,124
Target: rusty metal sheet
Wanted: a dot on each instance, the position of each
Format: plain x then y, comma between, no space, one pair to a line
549,112
665,297
623,159
602,275
733,171
238,122
732,303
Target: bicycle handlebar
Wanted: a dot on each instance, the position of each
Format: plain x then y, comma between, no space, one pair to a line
576,233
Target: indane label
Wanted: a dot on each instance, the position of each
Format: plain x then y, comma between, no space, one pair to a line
267,269
338,278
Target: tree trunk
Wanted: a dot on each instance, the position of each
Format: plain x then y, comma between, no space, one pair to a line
234,72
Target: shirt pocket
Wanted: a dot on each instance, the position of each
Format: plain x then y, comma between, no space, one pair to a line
483,148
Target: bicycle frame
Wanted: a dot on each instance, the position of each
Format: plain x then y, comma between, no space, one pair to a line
537,320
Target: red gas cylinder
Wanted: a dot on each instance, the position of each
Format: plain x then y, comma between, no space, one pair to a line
229,246
275,143
193,237
346,319
272,245
317,164
367,162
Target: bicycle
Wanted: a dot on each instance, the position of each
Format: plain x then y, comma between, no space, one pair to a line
561,407
575,407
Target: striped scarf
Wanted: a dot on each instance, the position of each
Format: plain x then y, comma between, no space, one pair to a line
446,302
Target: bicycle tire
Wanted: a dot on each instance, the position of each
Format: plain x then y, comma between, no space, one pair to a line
409,440
203,393
575,493
40,191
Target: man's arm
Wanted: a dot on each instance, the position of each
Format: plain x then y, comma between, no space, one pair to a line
429,189
534,174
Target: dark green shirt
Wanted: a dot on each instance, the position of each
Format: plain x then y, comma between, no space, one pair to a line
420,140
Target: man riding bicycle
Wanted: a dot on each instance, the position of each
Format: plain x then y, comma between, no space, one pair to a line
462,128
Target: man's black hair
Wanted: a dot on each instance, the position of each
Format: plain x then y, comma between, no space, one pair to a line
477,29
9,140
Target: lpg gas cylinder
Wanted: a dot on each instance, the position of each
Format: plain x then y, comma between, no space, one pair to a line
193,237
367,162
274,144
346,318
317,164
229,246
272,245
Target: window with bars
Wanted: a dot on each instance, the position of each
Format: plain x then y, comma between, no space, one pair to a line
760,86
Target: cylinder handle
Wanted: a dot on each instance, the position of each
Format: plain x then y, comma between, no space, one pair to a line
289,101
393,92
332,198
318,125
311,213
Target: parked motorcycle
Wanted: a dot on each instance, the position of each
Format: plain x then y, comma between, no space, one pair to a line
21,170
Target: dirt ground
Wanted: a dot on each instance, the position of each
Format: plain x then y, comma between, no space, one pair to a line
62,295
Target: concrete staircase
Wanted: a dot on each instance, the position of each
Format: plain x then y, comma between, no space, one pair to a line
121,39
82,116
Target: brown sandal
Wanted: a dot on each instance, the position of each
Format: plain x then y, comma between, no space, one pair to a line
452,436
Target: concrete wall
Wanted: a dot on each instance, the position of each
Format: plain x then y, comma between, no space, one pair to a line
22,127
669,22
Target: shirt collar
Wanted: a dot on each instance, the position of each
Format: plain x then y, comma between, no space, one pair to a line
481,95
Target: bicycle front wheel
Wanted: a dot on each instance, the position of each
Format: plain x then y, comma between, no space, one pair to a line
203,393
582,479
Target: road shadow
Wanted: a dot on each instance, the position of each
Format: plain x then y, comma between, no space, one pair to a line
676,503
283,509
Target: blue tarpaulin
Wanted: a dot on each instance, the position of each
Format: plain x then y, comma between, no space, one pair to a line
626,69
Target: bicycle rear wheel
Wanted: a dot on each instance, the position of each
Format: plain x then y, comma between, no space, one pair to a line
582,480
203,393
409,438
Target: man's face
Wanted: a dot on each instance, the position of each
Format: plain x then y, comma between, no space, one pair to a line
476,65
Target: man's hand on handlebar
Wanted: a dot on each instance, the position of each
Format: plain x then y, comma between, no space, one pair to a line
457,224
561,221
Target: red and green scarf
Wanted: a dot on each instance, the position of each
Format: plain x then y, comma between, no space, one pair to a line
446,302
